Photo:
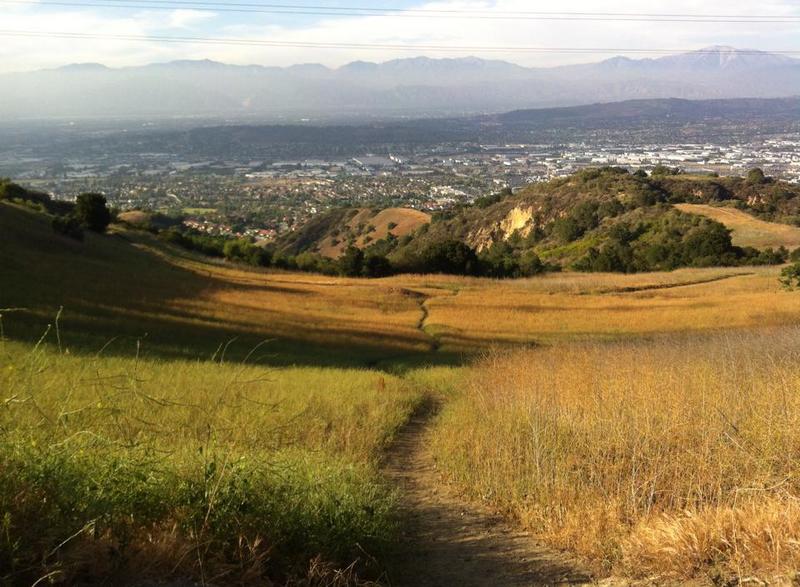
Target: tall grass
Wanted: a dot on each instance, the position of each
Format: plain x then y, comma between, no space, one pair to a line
677,457
128,468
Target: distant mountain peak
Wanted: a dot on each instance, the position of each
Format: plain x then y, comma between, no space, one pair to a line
726,57
82,67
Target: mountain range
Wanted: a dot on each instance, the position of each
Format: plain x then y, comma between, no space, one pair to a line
418,86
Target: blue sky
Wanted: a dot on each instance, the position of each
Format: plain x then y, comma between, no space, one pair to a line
414,35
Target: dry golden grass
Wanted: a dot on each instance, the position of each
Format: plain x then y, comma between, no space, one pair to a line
407,220
570,306
748,231
111,288
652,458
128,284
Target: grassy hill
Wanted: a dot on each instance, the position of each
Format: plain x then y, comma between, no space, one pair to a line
171,416
606,220
331,233
747,230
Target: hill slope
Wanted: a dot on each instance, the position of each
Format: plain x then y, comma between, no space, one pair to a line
608,220
331,233
747,230
127,286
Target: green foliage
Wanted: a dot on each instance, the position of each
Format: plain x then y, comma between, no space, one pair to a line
92,212
664,170
211,246
351,263
376,266
492,199
566,230
756,177
790,276
68,226
449,256
244,251
670,241
10,190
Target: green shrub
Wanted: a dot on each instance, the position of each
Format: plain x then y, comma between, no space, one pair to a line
92,212
68,226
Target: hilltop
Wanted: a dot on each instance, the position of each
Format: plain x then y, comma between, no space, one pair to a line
596,220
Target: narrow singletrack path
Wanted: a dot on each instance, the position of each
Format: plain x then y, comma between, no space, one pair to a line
448,542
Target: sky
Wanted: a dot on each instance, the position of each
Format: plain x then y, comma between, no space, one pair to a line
461,28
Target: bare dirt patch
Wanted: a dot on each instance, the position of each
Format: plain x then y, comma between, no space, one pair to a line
448,541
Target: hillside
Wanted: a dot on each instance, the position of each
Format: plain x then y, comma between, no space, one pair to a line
747,230
595,220
331,233
126,286
155,400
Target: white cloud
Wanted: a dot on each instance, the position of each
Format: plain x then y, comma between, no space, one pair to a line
18,53
183,19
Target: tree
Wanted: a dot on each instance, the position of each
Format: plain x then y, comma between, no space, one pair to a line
92,212
449,256
68,226
566,230
10,190
376,266
530,264
756,177
351,263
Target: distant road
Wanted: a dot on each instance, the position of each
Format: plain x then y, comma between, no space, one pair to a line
748,231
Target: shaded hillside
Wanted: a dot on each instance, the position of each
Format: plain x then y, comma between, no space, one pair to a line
122,287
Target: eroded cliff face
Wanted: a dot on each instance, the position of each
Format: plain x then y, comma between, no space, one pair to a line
519,219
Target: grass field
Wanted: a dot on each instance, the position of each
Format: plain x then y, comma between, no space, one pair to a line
748,231
201,419
127,468
672,458
471,314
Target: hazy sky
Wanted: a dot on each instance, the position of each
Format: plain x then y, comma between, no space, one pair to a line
413,33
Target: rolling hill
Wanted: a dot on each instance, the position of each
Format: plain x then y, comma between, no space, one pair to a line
747,230
595,220
159,398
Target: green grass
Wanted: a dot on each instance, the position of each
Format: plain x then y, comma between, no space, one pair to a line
125,467
571,250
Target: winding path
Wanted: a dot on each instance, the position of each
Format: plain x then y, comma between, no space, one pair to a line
448,542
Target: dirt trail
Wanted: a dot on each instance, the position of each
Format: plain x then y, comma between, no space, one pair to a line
448,542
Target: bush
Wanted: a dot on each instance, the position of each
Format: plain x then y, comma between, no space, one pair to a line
92,212
450,256
790,277
11,191
756,177
68,226
376,266
244,251
673,240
